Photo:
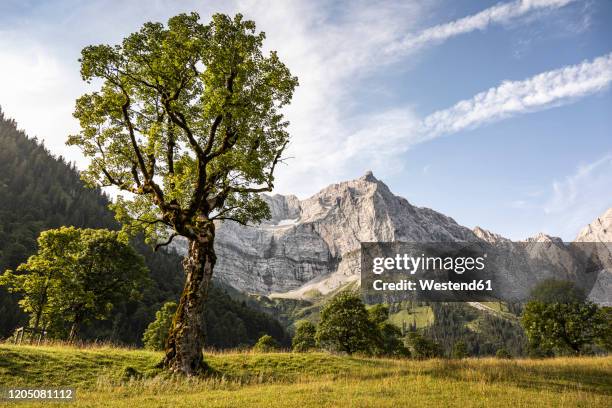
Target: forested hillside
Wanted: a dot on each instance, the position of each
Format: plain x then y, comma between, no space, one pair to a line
38,192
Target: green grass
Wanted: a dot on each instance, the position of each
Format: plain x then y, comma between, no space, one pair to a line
308,380
422,315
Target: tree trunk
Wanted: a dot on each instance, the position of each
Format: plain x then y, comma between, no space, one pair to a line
185,339
74,329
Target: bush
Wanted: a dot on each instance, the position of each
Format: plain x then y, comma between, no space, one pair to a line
502,353
265,344
387,337
460,350
345,326
304,338
156,334
422,347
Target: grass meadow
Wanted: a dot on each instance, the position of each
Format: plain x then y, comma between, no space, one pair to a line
109,376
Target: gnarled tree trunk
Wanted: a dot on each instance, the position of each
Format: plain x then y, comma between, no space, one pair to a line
185,339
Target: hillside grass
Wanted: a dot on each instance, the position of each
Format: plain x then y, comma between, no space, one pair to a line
307,380
423,316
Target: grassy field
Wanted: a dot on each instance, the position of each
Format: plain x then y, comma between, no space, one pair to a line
423,316
108,376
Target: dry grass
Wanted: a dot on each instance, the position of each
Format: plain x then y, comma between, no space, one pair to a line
308,379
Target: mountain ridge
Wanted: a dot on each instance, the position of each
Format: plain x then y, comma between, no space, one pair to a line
312,245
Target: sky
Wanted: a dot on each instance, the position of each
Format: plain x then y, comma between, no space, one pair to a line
498,114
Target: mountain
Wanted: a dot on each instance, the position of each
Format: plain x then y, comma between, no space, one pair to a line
311,247
600,231
313,244
39,191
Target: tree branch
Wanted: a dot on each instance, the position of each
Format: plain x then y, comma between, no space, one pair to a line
167,242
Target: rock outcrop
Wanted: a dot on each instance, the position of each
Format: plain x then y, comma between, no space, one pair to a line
314,243
312,246
600,233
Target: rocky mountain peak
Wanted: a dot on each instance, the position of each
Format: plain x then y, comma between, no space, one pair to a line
488,236
369,176
541,237
600,230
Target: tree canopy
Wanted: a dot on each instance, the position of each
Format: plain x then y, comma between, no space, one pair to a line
188,126
76,275
345,325
559,319
187,123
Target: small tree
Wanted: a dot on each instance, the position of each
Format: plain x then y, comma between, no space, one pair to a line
156,334
304,338
41,276
459,350
77,275
422,347
558,319
266,344
502,353
187,124
387,337
345,326
604,328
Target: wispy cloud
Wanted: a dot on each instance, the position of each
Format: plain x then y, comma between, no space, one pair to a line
579,197
330,52
548,89
379,141
499,14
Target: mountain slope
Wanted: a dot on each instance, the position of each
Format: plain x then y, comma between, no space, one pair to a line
314,243
311,247
38,192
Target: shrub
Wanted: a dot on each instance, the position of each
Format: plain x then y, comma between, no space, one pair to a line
304,338
460,350
156,334
265,344
344,325
502,353
422,347
387,338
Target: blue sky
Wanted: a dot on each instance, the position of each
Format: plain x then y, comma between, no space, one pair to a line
498,114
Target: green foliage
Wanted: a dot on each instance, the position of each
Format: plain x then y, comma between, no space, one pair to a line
421,347
40,192
604,328
345,326
187,121
76,275
304,338
557,291
154,338
265,344
560,327
460,350
386,337
502,353
37,192
558,319
482,332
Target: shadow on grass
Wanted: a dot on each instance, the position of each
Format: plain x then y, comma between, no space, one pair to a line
545,377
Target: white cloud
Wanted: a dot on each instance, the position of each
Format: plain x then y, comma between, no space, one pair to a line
578,198
330,51
498,14
379,140
548,89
